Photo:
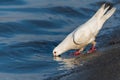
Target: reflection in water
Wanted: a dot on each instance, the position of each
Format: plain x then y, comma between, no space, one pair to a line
66,63
70,63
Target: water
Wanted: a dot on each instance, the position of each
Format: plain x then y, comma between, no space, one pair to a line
30,29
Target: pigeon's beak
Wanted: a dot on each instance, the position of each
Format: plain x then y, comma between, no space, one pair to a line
57,55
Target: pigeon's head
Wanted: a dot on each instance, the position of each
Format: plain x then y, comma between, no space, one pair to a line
59,50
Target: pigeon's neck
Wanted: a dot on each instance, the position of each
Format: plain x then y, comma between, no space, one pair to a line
64,46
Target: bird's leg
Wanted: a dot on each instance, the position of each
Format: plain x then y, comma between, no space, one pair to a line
78,52
92,49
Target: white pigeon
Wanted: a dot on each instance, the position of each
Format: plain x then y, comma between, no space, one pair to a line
86,33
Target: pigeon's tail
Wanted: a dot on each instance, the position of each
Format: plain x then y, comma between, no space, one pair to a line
108,14
104,12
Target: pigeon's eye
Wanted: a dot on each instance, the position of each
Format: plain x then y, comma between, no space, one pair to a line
55,52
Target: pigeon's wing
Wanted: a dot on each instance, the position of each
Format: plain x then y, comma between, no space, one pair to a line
90,29
82,36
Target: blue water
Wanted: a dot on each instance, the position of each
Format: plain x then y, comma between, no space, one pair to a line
30,29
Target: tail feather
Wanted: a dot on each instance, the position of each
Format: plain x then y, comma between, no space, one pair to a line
104,12
100,11
108,14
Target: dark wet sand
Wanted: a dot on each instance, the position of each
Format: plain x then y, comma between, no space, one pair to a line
104,66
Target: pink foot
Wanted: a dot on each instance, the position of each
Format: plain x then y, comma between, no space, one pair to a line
76,53
93,49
